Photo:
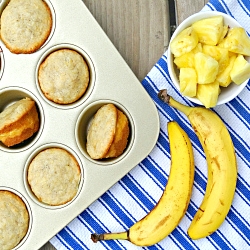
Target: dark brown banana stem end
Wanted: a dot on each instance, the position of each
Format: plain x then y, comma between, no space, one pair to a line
163,95
96,237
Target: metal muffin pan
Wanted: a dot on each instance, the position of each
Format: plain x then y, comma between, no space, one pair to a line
65,126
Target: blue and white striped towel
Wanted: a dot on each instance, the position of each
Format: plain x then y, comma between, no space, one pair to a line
138,192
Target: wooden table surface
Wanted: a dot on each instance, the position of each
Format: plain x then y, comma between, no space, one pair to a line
139,29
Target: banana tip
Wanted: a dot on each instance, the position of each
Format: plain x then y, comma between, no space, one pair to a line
96,237
163,95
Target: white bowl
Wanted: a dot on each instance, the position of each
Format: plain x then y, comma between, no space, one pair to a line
228,93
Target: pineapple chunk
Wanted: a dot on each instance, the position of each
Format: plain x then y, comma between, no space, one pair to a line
206,68
224,33
221,55
188,81
187,60
237,41
232,53
224,59
241,70
184,42
209,30
208,94
212,51
198,48
224,78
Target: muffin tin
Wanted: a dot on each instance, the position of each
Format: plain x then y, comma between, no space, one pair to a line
65,126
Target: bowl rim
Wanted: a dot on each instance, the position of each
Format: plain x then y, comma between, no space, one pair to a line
222,99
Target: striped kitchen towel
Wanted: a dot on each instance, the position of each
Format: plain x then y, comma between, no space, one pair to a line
138,192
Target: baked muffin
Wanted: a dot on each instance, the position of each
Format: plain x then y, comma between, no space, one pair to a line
18,122
63,76
121,136
108,133
14,222
25,25
54,176
102,131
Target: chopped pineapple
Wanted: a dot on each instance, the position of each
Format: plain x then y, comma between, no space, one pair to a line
212,51
232,53
224,60
221,55
198,48
184,42
224,32
209,30
208,94
187,60
237,41
210,55
206,68
224,78
188,81
241,70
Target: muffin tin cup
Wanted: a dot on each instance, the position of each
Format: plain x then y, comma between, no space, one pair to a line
10,95
32,156
22,197
4,3
1,63
84,121
90,64
66,126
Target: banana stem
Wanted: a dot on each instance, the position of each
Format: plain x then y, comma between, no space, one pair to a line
109,236
163,95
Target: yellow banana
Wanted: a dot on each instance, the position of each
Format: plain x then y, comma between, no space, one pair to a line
171,207
222,167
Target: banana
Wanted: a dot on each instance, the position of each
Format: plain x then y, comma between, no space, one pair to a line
222,167
172,205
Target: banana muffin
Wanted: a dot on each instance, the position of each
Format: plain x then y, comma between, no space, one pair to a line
121,136
63,76
18,122
25,25
101,132
108,133
54,176
14,222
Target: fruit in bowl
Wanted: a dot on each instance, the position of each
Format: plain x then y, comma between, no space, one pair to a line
208,58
